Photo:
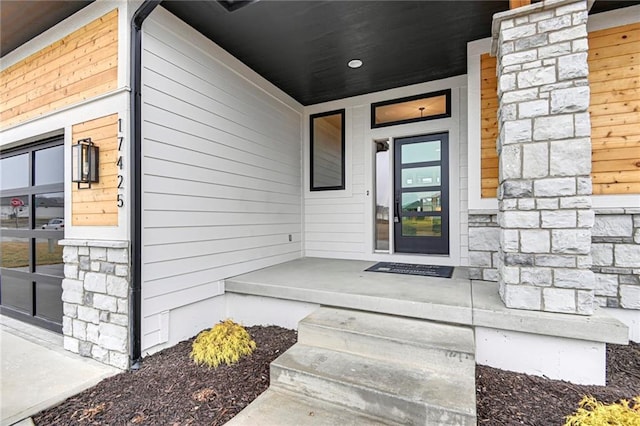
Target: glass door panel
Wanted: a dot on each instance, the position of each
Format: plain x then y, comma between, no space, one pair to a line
421,176
421,152
422,194
430,201
422,226
383,193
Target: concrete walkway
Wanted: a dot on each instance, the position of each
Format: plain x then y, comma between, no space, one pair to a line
38,373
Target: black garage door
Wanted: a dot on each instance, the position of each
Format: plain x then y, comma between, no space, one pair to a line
32,222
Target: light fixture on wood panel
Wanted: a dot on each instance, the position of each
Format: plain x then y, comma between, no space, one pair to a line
84,160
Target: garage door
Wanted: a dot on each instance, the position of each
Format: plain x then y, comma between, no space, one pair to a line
32,221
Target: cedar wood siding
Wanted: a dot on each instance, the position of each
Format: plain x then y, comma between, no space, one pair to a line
614,78
82,65
97,206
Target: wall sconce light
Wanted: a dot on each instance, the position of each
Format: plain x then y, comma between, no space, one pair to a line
84,158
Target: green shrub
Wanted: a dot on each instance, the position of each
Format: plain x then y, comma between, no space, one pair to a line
594,413
226,342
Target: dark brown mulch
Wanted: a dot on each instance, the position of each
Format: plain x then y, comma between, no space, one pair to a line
505,398
170,389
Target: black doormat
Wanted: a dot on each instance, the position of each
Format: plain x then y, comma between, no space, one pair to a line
412,269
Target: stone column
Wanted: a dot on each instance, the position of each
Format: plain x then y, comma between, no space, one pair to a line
544,145
95,296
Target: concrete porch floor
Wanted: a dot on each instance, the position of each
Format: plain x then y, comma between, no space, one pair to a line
38,373
458,300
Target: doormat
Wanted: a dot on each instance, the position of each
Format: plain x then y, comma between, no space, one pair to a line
412,269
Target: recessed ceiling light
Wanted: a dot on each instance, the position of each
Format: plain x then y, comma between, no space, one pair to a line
355,63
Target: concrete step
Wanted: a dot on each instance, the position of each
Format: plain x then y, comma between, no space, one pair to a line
286,409
379,388
386,337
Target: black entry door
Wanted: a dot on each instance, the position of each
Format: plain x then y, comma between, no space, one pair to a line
421,214
32,223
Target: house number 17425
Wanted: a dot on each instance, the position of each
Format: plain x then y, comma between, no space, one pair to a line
120,165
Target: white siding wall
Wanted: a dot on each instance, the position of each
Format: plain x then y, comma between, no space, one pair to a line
340,224
334,220
221,172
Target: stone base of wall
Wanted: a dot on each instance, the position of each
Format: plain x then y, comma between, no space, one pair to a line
95,296
615,250
484,242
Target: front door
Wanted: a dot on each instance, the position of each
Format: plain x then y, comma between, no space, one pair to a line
421,215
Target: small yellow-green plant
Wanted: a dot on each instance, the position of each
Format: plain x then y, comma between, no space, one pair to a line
226,342
594,413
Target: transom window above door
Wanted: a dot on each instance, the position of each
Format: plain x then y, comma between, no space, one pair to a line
427,106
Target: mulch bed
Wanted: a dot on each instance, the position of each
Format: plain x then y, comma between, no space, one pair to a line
169,389
505,398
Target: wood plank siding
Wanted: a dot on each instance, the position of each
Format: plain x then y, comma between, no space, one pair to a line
221,171
614,77
489,126
82,65
513,4
97,206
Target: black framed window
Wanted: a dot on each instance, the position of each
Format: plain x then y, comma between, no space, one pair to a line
327,160
427,106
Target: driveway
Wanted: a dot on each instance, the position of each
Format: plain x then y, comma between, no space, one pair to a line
38,373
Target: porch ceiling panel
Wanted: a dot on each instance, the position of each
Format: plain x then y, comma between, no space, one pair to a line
303,46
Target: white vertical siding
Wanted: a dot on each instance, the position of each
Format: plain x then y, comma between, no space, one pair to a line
221,170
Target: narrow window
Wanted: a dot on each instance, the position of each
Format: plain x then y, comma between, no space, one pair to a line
428,106
327,151
383,182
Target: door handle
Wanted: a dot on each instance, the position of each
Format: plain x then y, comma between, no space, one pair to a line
396,216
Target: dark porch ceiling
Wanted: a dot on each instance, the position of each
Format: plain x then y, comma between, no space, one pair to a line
303,46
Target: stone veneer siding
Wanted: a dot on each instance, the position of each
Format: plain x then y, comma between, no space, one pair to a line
544,147
484,243
615,250
95,296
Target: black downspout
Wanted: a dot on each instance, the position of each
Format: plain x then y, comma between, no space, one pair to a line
136,172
